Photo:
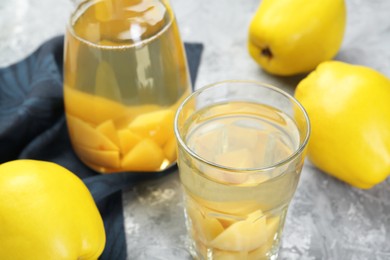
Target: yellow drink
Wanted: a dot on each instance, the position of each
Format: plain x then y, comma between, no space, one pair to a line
240,163
125,74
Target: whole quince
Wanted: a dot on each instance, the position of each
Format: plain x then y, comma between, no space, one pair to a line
46,212
349,110
288,37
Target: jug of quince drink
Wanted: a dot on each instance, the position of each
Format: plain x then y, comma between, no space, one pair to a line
125,73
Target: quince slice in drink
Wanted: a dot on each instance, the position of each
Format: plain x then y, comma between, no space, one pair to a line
132,112
108,159
205,144
91,108
145,156
85,135
109,130
157,125
240,137
127,140
239,159
244,235
104,10
197,204
272,228
279,150
205,228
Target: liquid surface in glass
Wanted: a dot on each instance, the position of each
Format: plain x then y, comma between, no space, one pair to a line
236,212
125,74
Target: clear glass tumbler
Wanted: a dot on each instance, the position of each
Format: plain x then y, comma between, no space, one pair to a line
125,73
241,151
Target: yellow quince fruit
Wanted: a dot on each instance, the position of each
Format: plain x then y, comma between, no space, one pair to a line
288,37
46,212
349,110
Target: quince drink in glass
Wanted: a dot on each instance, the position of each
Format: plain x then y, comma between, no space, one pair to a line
125,73
241,151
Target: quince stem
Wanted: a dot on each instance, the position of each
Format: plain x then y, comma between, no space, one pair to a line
267,53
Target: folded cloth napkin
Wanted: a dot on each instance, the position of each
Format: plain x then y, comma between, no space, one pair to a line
32,125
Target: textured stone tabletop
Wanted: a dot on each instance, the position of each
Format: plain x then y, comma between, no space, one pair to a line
327,218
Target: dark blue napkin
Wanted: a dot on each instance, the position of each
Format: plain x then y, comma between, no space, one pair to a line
32,125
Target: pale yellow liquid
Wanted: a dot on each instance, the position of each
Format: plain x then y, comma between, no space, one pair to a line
233,211
123,59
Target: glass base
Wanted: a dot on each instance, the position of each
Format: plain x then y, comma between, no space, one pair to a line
217,237
212,254
199,251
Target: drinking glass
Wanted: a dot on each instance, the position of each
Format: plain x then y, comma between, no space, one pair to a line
125,73
241,150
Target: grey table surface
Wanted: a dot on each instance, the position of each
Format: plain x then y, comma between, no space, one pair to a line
327,218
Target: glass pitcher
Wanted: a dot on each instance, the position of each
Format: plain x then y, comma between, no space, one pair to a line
125,73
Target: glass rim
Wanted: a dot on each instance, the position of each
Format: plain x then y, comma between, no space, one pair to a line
278,164
72,19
